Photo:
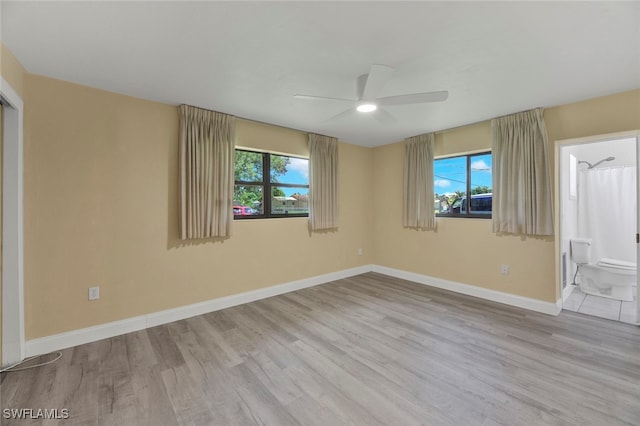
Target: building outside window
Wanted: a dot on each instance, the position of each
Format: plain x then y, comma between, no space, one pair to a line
286,181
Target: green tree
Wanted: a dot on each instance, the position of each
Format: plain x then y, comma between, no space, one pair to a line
278,166
481,190
248,195
249,168
452,198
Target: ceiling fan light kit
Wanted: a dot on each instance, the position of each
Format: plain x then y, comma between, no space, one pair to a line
368,86
367,107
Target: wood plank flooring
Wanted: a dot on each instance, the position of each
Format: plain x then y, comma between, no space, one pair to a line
368,350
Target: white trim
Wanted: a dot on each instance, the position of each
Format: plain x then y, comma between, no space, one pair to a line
13,340
116,328
638,225
558,145
566,292
599,138
549,308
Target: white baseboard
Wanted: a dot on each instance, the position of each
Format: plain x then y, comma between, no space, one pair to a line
566,292
471,290
103,331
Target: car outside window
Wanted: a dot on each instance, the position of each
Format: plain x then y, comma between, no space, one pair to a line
462,186
284,178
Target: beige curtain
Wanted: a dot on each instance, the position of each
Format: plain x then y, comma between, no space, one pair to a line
323,182
419,209
207,149
521,178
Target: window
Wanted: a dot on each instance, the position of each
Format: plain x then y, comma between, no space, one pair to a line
285,178
462,186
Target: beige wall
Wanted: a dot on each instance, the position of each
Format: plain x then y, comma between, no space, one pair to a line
465,250
461,250
11,70
100,209
607,114
265,137
100,203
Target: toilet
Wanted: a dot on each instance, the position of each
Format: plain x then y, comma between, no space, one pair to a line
610,278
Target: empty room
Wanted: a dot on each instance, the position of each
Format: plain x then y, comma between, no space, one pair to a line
319,213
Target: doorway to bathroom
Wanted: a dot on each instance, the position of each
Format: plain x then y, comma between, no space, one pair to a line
598,221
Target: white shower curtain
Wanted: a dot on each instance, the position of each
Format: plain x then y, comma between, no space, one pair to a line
607,211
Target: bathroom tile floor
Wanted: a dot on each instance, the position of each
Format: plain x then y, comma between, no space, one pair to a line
601,307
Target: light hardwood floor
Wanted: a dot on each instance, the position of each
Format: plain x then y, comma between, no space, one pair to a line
368,350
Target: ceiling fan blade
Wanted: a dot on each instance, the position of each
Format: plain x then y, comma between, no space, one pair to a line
321,98
383,116
343,114
376,79
414,98
360,83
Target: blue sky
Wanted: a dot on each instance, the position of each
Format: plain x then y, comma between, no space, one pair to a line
297,172
450,174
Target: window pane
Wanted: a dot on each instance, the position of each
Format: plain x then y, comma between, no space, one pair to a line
248,166
286,200
481,198
449,184
287,178
247,200
289,170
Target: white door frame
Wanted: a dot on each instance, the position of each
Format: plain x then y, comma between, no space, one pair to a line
557,218
638,227
13,338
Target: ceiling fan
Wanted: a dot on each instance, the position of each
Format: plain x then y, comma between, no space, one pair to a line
367,88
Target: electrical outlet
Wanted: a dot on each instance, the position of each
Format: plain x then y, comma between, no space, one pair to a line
94,293
359,252
504,269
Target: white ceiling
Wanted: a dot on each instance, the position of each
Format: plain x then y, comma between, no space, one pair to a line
250,58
